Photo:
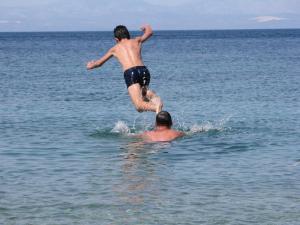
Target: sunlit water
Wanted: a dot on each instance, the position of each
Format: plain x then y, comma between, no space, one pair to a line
68,154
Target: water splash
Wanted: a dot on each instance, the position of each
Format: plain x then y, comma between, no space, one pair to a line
207,126
121,128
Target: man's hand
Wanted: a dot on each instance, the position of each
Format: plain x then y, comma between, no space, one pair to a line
90,65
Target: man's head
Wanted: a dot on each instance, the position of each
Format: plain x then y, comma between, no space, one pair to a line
164,118
121,32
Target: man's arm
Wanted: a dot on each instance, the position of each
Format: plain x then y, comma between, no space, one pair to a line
179,134
147,33
143,135
94,64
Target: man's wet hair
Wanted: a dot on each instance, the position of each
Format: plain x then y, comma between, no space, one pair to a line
121,32
163,118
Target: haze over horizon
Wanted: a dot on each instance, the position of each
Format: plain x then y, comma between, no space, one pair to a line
103,15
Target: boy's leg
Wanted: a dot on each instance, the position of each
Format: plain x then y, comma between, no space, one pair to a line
135,93
151,95
147,94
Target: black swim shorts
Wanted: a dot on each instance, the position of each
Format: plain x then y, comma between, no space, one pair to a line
137,74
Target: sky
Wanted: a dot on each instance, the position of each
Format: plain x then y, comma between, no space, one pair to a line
98,15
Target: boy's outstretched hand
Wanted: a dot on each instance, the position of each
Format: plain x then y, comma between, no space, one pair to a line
145,27
90,65
147,32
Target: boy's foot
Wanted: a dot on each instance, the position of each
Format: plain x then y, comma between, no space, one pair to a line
159,108
157,101
145,99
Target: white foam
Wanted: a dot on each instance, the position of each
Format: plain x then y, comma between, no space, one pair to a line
121,128
208,126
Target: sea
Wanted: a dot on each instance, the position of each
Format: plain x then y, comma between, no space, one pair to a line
68,147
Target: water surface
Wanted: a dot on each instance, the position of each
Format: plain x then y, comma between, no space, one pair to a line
66,151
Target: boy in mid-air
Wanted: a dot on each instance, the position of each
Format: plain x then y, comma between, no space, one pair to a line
136,74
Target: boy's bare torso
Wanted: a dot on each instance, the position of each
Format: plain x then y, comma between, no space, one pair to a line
128,52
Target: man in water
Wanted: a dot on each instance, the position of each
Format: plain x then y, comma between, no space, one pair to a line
136,74
162,131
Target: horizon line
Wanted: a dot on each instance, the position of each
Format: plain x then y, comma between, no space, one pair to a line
65,31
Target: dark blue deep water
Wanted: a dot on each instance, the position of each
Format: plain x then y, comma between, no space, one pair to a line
66,151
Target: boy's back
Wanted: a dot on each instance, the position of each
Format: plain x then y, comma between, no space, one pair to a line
128,52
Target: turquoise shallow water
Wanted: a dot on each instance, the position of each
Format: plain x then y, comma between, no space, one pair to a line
66,151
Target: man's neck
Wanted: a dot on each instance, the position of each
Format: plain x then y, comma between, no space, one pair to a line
161,128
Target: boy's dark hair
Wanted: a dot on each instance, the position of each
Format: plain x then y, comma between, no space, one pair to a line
121,32
163,118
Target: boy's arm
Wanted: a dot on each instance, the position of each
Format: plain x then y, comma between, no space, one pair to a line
94,64
147,33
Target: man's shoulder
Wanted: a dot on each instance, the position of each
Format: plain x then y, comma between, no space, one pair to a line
149,132
146,133
177,133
